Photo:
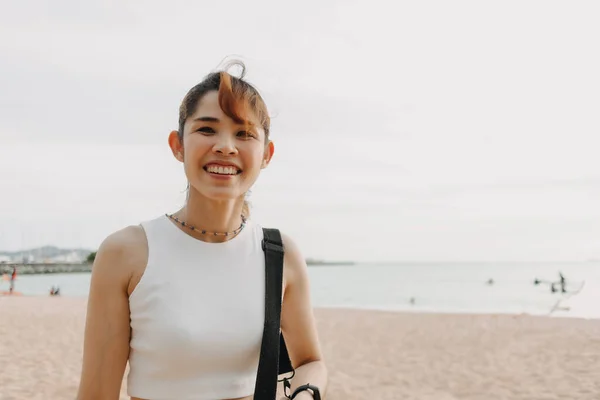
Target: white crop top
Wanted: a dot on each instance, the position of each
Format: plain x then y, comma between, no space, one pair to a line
197,316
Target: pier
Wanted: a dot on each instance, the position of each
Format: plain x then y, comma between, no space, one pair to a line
45,268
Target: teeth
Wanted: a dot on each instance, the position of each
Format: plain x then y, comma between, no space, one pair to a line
222,170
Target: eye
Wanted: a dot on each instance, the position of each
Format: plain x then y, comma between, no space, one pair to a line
246,134
205,129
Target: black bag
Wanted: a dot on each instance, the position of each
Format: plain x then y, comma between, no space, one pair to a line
274,359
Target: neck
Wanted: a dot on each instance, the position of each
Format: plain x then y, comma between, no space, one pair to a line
212,216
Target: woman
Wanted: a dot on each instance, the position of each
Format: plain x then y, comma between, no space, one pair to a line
181,296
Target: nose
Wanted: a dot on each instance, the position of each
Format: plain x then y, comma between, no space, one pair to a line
224,145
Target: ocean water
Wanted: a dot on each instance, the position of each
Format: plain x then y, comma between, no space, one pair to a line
434,287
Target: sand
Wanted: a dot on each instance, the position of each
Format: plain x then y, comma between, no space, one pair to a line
370,354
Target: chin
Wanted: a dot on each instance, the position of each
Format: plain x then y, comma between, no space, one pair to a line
219,194
223,196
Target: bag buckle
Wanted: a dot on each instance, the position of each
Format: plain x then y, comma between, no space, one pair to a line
267,245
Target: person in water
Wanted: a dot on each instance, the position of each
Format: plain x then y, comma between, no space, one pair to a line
563,282
181,296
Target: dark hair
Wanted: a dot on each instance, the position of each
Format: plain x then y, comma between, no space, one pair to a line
238,99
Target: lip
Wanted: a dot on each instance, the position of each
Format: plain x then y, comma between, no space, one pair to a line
221,177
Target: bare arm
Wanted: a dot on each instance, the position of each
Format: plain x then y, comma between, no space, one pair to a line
107,329
298,324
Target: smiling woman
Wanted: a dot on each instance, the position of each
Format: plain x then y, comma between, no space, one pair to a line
224,103
181,296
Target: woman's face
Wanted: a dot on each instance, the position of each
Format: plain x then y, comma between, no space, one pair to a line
222,159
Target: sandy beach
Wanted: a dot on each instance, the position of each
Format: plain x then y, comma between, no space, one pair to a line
370,354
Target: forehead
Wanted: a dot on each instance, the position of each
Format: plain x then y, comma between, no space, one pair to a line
208,106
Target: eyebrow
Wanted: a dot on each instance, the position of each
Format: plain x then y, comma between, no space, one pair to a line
207,119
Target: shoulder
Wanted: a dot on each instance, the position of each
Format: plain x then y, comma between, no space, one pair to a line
294,263
292,255
126,242
290,246
122,253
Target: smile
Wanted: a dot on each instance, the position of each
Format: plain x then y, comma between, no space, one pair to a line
222,169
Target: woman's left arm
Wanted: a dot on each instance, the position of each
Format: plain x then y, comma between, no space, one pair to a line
298,324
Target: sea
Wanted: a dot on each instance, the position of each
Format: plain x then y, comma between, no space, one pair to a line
506,288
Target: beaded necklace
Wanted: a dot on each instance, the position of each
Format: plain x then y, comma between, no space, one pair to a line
204,232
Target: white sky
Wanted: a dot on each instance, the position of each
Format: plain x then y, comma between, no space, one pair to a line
403,131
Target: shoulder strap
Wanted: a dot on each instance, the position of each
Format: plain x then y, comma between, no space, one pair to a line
274,359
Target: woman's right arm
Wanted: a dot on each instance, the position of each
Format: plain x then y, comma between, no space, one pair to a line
107,329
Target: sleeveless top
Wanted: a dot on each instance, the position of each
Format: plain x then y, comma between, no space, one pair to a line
197,315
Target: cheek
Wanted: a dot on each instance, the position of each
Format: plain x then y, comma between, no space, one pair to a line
196,146
255,159
251,154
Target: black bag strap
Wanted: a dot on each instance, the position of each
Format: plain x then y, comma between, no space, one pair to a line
274,358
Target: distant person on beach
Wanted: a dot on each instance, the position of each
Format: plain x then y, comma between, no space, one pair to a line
13,278
181,296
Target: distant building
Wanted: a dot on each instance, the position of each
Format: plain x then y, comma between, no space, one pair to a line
71,257
25,259
5,259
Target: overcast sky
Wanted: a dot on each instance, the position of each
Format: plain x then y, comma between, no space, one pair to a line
403,130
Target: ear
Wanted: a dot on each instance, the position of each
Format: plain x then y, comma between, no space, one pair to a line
176,145
269,151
